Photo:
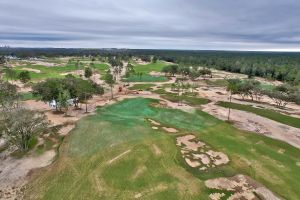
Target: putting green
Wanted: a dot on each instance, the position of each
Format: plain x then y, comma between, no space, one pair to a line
116,154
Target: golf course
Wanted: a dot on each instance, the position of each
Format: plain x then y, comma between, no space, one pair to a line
118,154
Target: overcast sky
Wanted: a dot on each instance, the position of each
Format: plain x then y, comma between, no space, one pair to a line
155,24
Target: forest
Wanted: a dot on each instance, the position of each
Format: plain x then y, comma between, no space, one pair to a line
282,66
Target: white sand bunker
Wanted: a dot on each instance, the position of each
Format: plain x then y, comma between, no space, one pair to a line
157,125
31,70
216,196
170,130
153,122
242,187
198,154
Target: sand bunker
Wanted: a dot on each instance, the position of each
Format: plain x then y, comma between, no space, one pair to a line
198,154
242,187
31,70
190,145
216,196
170,130
154,122
44,63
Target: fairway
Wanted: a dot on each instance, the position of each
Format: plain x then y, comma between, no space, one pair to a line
145,71
116,154
39,72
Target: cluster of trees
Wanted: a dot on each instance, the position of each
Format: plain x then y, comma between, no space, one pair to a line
117,66
190,72
23,76
281,94
62,90
8,96
276,66
18,126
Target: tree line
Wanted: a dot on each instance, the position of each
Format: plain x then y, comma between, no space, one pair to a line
277,66
281,94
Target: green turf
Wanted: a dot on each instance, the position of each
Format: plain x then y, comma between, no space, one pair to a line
216,83
55,72
145,78
101,67
270,114
27,96
146,69
142,86
185,98
267,86
83,171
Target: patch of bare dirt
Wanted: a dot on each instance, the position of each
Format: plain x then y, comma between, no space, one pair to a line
139,172
31,70
13,171
153,73
66,129
43,63
243,187
156,149
255,123
76,72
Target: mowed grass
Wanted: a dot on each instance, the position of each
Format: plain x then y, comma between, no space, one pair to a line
142,86
185,98
47,72
145,70
57,71
270,114
145,78
27,96
101,68
113,155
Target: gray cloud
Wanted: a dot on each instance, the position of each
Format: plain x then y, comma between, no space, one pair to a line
168,24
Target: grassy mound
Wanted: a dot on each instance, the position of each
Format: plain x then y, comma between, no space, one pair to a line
115,154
